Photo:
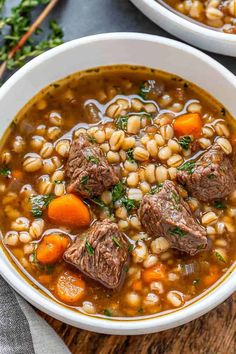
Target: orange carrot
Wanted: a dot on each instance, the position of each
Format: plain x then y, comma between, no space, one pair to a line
188,124
51,248
45,279
69,210
156,272
212,277
70,287
17,174
137,285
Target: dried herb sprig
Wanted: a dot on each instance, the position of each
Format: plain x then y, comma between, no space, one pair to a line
18,46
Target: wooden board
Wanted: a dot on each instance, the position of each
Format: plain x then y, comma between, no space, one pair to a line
213,333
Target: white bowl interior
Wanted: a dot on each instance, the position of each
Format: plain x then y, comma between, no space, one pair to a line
108,49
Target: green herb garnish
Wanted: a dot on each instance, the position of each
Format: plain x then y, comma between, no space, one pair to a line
129,154
39,203
118,191
116,242
94,160
121,122
98,202
175,197
107,313
89,248
196,281
156,189
84,180
91,139
188,167
211,176
176,231
5,172
219,256
144,90
218,204
58,182
131,247
184,142
129,204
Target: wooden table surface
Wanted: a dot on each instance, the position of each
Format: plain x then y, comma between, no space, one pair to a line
213,333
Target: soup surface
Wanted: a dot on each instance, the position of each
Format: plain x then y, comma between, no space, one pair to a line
219,14
117,191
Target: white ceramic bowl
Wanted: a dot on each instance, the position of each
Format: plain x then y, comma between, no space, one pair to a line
107,49
200,36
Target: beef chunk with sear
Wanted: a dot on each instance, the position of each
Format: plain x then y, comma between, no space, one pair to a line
87,171
166,214
212,176
101,253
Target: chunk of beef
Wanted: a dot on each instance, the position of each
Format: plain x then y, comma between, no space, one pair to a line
212,176
101,253
166,214
151,89
87,171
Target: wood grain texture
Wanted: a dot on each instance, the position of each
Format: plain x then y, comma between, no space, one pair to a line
213,333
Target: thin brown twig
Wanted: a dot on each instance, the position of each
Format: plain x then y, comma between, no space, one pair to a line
30,31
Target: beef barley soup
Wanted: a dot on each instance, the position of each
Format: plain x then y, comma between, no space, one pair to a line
118,191
217,14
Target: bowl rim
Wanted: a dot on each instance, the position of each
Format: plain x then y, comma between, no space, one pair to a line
220,291
207,32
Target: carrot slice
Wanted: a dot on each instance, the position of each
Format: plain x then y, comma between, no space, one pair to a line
51,248
70,287
188,124
69,210
156,272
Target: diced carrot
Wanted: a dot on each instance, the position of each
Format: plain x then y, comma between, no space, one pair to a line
51,248
137,285
212,277
156,272
69,210
45,279
17,174
188,124
70,287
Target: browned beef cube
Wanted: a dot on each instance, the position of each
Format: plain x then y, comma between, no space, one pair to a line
166,214
87,171
211,178
101,253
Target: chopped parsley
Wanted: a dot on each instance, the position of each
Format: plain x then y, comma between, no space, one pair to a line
107,312
184,142
94,160
219,256
89,248
144,90
188,167
84,180
129,154
91,139
176,231
116,242
5,172
211,176
175,197
121,122
131,247
98,202
39,203
118,191
155,189
58,182
218,204
196,281
129,204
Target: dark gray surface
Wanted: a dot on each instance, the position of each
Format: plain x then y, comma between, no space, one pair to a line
85,17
